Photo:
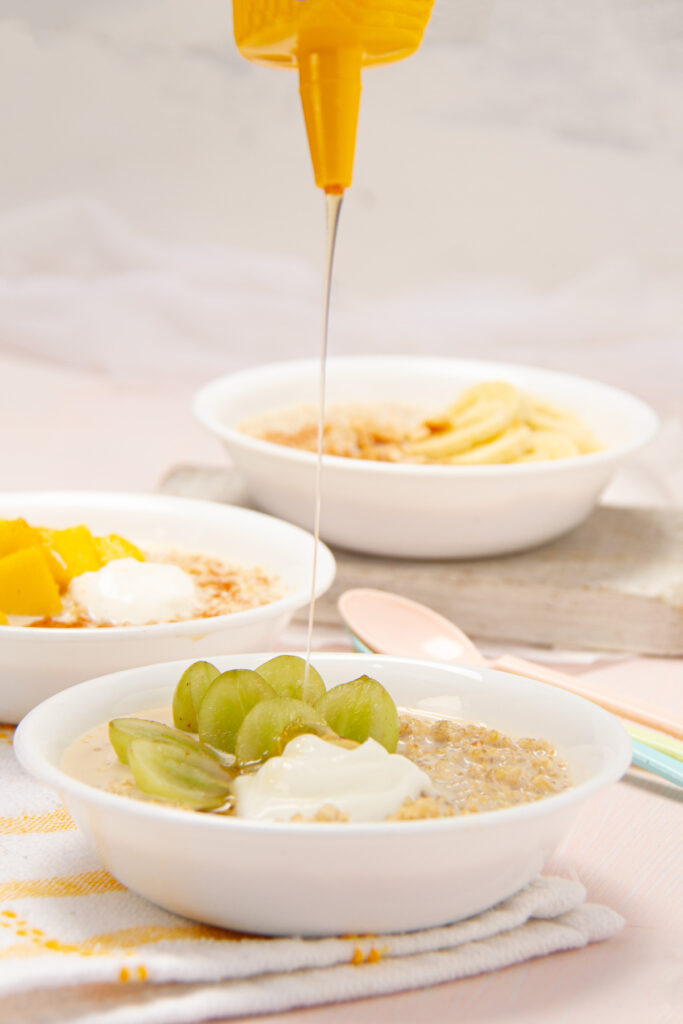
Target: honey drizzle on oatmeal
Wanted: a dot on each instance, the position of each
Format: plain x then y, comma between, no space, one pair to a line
334,204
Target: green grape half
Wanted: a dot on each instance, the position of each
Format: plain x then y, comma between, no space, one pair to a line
189,693
169,772
360,710
288,676
226,703
122,732
271,724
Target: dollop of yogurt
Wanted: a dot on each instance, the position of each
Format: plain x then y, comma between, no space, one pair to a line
366,782
128,592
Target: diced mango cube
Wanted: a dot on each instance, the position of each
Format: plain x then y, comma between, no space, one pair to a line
113,546
26,584
67,552
57,567
71,552
16,534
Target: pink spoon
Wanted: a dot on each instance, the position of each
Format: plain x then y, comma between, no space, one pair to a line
390,624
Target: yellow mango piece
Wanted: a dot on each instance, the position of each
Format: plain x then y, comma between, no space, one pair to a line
3,619
113,546
26,584
55,562
71,552
16,534
57,567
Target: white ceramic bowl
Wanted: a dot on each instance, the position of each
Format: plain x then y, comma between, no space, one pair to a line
336,878
422,511
37,662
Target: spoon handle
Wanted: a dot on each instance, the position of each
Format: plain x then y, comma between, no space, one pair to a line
645,714
659,764
660,741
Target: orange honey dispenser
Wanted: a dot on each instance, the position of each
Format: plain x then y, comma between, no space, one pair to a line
329,41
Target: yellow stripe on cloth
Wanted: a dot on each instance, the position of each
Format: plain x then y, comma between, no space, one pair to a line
21,950
125,940
50,821
142,935
89,883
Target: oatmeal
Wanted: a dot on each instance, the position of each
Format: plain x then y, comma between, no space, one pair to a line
374,430
489,423
225,587
274,744
474,768
218,588
470,769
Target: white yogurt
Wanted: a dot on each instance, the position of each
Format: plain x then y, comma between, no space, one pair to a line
366,783
128,592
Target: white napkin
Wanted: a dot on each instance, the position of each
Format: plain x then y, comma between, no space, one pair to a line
66,923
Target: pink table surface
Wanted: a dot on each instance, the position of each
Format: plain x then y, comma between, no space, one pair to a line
78,430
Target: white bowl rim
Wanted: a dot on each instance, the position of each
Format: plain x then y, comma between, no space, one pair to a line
39,765
325,570
211,422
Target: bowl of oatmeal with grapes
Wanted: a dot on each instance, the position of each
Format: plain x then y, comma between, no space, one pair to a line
426,457
94,582
345,794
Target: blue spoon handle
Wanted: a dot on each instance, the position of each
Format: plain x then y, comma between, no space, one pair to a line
659,764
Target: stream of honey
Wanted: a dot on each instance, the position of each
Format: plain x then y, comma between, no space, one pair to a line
334,204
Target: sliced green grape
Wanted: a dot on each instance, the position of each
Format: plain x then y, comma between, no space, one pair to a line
271,724
189,692
288,677
361,709
169,772
122,731
226,703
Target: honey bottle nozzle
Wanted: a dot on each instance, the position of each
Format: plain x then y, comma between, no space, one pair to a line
330,86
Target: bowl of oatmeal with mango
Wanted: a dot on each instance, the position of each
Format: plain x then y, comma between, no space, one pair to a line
349,794
95,582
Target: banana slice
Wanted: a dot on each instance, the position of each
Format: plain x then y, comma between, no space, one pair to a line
480,414
507,447
549,444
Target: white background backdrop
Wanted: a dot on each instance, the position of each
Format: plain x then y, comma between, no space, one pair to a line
531,138
517,195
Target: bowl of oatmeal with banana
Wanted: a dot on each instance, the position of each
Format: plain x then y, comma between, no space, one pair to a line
347,794
95,582
426,457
